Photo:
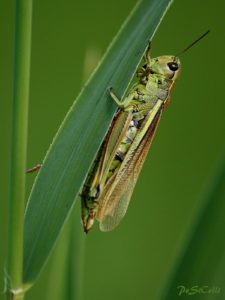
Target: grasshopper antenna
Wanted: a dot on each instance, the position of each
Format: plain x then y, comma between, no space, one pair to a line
193,43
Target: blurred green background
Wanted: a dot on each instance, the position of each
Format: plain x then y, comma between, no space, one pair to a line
134,260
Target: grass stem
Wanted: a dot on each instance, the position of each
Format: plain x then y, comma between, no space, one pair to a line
19,145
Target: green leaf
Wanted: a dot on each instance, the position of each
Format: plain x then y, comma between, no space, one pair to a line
80,135
202,262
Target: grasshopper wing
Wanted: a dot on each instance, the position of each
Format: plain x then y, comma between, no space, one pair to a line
115,199
111,143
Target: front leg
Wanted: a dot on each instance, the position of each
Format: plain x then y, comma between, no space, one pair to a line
121,103
143,71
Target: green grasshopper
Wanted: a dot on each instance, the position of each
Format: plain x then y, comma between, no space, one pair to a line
108,188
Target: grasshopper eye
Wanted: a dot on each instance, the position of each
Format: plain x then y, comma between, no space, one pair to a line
173,66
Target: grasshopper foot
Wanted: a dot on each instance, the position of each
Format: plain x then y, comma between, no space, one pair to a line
34,169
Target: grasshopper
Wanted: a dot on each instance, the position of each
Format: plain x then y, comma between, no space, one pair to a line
109,185
108,188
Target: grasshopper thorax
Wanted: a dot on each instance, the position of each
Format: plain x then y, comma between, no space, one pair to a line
167,66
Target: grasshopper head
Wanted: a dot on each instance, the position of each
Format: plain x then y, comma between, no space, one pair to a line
168,66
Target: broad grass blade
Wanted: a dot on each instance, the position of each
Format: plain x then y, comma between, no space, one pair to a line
80,135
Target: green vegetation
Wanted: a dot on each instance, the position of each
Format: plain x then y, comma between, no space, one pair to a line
174,226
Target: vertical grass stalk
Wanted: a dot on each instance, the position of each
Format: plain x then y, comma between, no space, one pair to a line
76,259
19,145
